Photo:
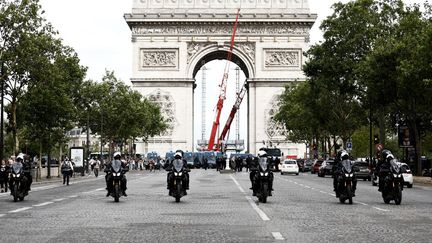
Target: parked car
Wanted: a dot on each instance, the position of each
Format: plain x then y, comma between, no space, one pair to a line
316,165
326,168
407,174
289,166
307,165
363,171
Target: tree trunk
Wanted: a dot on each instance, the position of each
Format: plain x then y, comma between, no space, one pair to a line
417,148
382,128
14,126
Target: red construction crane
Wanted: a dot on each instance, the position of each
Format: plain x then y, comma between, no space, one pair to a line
223,85
233,112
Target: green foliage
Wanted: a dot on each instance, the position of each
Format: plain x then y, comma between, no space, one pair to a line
119,113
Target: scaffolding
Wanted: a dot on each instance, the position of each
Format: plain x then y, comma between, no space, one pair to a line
203,103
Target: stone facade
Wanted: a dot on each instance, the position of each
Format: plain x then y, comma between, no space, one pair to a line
173,38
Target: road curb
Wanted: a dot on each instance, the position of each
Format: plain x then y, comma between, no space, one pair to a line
425,181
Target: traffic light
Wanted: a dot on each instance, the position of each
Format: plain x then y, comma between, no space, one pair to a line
376,139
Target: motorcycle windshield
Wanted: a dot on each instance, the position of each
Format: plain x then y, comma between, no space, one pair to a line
263,163
394,166
178,165
116,165
347,166
17,168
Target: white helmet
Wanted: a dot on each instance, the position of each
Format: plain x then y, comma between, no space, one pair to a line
344,155
178,155
117,155
20,156
262,153
389,157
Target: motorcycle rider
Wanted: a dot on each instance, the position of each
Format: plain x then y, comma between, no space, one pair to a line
170,175
383,167
25,179
337,169
253,176
109,178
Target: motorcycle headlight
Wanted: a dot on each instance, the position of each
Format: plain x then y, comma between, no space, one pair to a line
348,175
396,175
178,173
262,173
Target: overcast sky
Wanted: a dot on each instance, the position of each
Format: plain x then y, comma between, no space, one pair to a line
99,34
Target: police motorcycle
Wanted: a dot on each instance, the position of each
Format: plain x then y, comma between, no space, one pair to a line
263,177
116,171
393,184
18,182
345,181
177,189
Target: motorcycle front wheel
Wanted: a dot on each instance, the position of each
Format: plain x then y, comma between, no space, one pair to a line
398,196
116,192
15,192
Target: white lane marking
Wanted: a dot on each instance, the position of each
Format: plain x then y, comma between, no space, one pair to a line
295,183
301,185
332,194
263,216
385,210
251,202
308,187
59,199
42,204
364,204
44,188
278,236
73,196
323,192
100,189
238,185
20,210
1,215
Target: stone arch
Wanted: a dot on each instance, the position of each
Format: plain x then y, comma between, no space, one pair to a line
201,53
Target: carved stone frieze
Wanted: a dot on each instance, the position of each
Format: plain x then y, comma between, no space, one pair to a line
195,47
196,30
282,58
166,104
274,129
248,49
159,58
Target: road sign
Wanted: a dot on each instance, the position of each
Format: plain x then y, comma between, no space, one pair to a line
379,147
349,146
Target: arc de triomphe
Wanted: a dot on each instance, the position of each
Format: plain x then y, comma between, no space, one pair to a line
173,39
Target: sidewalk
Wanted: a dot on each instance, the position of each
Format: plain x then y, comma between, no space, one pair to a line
55,179
422,180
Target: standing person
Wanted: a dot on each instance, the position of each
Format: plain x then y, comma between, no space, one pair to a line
92,163
67,170
96,167
4,176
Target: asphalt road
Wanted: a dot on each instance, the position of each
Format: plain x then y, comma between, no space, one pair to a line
218,208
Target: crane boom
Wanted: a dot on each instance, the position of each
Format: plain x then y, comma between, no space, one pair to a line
223,85
233,112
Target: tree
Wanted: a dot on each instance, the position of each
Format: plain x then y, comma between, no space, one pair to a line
121,113
48,107
399,73
25,39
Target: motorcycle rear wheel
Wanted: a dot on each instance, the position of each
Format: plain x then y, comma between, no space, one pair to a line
349,192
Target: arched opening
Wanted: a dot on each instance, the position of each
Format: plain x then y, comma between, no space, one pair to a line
208,74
